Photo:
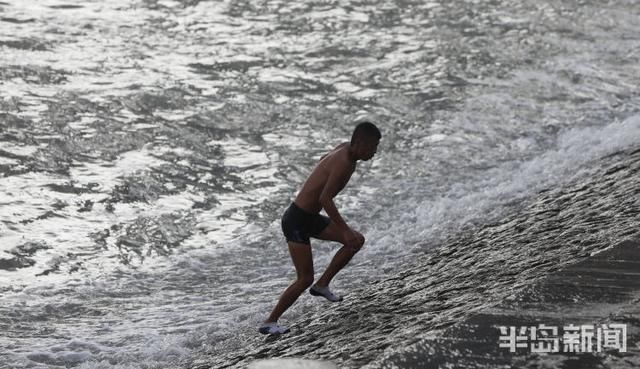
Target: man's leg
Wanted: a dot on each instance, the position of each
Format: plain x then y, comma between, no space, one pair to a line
340,259
303,261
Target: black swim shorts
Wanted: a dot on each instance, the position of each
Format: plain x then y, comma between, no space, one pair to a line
298,225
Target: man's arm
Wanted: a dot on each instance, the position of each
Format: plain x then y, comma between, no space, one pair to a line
338,177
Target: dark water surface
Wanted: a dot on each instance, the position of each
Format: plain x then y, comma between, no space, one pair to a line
148,149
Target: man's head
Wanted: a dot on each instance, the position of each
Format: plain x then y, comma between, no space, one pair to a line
364,140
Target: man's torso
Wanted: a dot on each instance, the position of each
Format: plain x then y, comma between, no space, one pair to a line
309,195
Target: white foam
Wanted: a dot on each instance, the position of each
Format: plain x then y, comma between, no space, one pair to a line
21,150
296,363
128,162
482,198
60,357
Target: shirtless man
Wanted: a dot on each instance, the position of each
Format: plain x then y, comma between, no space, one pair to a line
302,220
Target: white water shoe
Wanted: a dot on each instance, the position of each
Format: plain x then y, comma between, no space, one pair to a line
272,328
324,292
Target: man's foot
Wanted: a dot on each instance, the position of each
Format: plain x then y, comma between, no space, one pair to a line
324,292
272,328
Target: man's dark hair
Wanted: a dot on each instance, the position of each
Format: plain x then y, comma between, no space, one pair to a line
365,129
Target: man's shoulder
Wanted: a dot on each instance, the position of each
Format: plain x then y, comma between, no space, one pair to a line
340,161
338,153
342,154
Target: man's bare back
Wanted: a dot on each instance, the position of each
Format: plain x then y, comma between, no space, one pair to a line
336,160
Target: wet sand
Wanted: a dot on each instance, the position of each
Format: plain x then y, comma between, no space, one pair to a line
602,289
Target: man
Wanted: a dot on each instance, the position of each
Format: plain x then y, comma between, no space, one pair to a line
302,220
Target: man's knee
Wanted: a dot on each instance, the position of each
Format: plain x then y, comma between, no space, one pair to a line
359,242
355,248
305,280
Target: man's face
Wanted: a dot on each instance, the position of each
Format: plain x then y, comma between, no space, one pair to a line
369,148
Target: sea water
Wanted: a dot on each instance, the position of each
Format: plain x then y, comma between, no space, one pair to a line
148,149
